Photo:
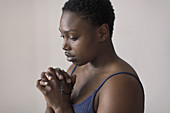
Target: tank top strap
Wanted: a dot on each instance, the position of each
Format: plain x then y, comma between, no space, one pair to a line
73,70
114,75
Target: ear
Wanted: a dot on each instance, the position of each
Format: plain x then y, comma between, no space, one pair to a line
103,32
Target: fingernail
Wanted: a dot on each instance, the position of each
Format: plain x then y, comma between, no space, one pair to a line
43,83
60,77
49,77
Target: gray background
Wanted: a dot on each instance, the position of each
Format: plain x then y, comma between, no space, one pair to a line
30,42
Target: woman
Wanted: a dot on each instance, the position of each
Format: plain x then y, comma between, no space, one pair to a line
98,81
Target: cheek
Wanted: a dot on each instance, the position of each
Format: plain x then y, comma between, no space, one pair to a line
85,50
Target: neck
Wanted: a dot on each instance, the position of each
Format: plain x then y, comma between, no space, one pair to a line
106,56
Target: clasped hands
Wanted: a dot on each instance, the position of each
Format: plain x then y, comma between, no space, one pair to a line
56,86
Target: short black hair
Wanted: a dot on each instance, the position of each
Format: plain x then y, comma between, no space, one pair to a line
97,12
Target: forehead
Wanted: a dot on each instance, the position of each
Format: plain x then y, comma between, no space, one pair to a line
72,21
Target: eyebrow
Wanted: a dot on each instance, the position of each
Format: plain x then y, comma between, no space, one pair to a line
72,30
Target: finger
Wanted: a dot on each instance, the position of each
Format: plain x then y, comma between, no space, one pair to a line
42,87
49,76
59,73
53,80
73,79
52,71
66,77
54,83
44,76
40,84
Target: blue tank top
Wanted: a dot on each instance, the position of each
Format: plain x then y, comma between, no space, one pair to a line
86,106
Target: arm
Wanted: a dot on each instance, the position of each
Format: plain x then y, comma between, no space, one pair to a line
121,94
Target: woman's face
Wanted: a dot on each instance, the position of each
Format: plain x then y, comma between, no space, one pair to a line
79,38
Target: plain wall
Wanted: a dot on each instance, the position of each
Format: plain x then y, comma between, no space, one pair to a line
30,42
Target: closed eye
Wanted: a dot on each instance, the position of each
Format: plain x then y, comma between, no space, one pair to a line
74,38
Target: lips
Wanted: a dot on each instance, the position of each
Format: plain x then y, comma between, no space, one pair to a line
70,57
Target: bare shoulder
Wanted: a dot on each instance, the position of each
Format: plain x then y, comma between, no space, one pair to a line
121,94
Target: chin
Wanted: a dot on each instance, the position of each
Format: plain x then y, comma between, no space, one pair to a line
79,63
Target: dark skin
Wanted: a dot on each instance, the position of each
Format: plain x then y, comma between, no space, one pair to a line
91,49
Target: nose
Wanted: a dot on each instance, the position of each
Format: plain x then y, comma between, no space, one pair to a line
66,45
